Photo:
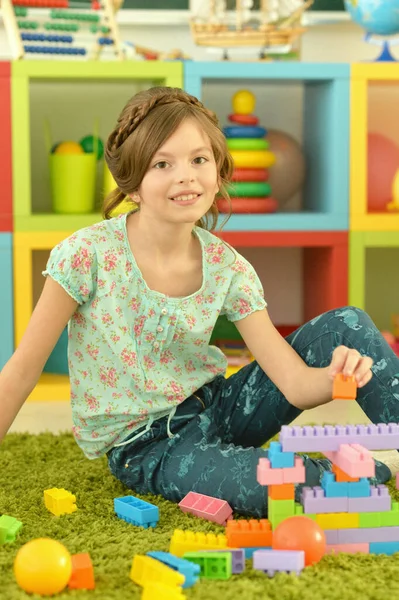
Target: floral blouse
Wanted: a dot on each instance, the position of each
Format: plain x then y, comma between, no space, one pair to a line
135,353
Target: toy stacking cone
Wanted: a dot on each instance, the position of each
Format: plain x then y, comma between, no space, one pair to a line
250,191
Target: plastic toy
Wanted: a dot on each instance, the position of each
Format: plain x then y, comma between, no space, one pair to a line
91,144
272,561
189,570
344,388
243,103
238,556
137,512
213,565
69,147
354,459
193,541
59,501
382,166
146,569
212,509
154,590
288,174
9,527
82,577
301,533
246,534
43,566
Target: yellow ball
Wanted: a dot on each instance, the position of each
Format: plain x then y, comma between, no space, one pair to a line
69,148
43,566
244,102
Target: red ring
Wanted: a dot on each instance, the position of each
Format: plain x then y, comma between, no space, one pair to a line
243,119
241,174
248,205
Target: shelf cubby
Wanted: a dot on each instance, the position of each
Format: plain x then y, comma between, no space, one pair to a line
6,299
6,219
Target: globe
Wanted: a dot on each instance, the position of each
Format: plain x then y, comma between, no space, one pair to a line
377,17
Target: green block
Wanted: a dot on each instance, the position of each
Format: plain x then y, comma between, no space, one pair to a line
213,565
298,509
390,518
370,519
9,527
276,520
281,507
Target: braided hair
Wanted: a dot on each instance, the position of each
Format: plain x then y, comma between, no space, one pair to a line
144,125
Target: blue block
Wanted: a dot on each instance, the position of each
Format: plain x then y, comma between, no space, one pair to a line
332,488
384,547
6,299
249,551
191,571
359,489
137,512
278,458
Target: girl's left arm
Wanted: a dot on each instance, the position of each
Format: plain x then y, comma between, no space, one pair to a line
303,386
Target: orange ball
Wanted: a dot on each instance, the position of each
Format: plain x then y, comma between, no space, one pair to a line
301,533
43,566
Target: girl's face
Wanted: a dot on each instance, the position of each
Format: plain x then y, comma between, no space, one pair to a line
182,180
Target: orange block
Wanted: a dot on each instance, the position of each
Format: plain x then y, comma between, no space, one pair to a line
340,475
247,534
82,577
285,491
344,388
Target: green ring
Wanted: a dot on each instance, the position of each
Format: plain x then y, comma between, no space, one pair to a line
249,188
247,144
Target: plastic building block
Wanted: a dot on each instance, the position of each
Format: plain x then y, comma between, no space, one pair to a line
354,460
213,565
341,476
295,474
145,569
206,507
9,527
344,387
390,518
331,536
285,491
185,567
314,501
238,556
249,552
137,512
359,489
278,458
266,475
246,534
279,510
319,438
378,501
59,501
272,561
368,535
155,590
195,541
82,577
333,488
348,548
338,520
384,547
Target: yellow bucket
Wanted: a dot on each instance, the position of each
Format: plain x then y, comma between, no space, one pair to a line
73,182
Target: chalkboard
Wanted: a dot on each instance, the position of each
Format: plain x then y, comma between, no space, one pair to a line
318,5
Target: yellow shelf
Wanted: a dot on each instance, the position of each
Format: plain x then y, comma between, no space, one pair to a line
375,222
51,388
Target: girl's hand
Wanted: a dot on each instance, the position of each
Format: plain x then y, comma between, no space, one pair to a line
350,362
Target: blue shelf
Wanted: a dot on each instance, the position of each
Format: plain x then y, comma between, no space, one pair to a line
326,90
6,299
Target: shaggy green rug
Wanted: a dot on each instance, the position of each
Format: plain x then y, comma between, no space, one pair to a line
29,464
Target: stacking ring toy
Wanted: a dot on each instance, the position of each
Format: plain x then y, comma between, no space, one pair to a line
250,175
253,189
250,131
248,205
253,158
243,119
247,144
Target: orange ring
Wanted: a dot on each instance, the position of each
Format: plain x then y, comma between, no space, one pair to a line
243,119
250,174
248,205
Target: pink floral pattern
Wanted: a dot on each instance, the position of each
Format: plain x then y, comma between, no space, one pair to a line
134,353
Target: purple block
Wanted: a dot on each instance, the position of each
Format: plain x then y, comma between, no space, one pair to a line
237,558
314,501
379,501
279,560
320,438
368,535
331,536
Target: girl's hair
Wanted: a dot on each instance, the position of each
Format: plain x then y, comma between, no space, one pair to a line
144,125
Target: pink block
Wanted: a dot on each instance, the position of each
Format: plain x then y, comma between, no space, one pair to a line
397,481
353,459
349,548
295,474
266,475
206,507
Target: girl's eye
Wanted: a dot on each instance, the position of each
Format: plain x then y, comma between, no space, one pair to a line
200,160
161,165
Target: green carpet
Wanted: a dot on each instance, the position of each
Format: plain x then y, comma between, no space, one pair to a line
29,464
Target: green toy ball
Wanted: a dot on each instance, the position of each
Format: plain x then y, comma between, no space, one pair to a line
87,143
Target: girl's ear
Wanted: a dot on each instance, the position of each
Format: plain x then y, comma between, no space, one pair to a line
135,197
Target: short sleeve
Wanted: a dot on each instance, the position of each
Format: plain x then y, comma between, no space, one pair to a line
73,264
245,294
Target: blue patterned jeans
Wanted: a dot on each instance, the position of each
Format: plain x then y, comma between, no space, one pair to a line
218,432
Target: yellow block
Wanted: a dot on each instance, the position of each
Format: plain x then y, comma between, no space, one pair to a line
156,590
194,541
338,520
146,569
257,159
59,501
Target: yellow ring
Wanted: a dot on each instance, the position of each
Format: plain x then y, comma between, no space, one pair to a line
253,158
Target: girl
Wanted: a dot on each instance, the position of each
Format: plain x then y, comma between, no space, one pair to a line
141,293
